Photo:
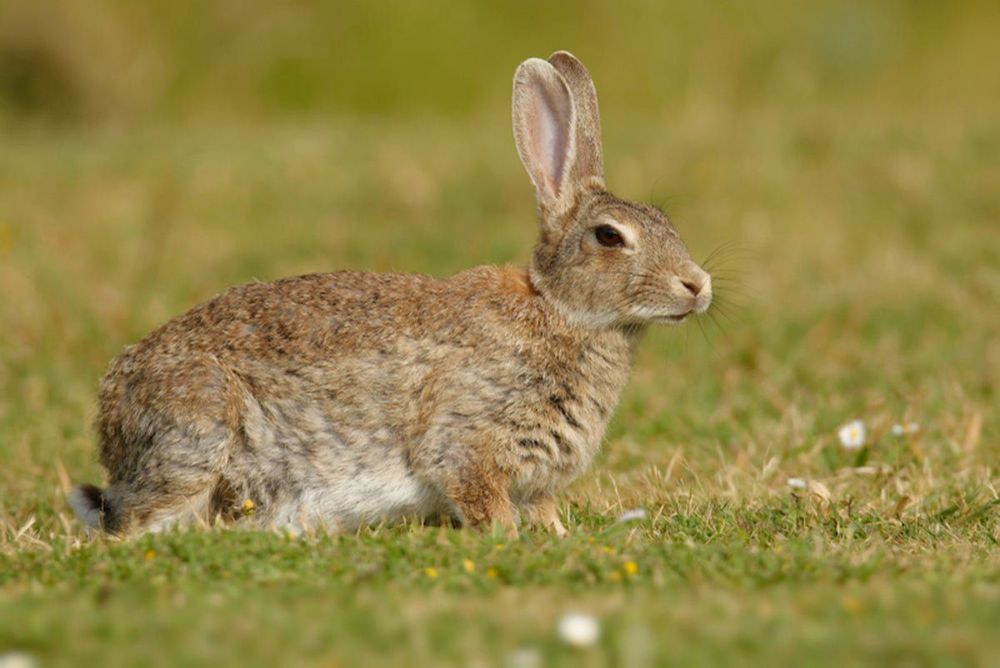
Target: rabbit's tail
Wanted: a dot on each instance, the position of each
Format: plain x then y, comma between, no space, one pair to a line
90,504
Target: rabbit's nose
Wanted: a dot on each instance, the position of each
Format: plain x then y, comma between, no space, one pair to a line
695,280
692,287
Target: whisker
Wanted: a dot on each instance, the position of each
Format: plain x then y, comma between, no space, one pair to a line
704,334
718,325
724,246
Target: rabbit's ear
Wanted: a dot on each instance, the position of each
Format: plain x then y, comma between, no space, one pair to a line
545,131
589,163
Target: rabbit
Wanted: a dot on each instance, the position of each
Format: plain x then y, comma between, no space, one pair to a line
347,399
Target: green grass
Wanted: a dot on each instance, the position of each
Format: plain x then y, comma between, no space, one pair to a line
712,583
858,207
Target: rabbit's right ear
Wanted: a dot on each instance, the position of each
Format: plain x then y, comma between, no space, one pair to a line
588,166
545,131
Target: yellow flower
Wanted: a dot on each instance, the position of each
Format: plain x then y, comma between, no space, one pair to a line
491,573
150,554
431,572
469,565
248,507
631,568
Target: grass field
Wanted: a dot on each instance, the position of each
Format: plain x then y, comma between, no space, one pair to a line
856,231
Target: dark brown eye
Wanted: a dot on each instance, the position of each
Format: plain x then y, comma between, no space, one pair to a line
608,236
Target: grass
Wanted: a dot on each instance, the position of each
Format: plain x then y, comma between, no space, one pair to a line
711,583
858,268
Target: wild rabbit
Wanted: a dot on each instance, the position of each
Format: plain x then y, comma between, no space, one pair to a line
350,398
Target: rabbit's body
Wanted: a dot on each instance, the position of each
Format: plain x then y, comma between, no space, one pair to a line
343,399
337,399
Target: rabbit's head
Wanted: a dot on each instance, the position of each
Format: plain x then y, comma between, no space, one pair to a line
602,260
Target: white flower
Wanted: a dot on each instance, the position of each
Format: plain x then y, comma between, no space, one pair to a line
578,630
797,483
17,660
524,657
905,429
852,435
632,515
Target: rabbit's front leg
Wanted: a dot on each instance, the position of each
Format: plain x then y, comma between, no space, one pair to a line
542,510
479,494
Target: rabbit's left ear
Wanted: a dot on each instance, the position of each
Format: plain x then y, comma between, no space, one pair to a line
557,129
589,164
545,131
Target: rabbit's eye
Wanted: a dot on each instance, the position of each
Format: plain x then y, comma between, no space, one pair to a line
608,236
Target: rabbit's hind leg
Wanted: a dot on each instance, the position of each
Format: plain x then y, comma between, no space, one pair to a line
166,427
169,468
172,485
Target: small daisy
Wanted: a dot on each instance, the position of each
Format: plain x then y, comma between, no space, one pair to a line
905,429
852,434
797,483
634,515
578,630
17,660
524,657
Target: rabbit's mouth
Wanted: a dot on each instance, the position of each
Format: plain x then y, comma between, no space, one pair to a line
672,319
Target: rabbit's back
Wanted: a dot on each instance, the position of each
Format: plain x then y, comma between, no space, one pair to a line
335,392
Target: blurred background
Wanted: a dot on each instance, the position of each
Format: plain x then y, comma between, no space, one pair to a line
111,61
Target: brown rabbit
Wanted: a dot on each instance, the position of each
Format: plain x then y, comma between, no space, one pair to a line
349,398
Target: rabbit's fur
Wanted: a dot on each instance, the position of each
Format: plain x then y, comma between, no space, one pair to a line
344,399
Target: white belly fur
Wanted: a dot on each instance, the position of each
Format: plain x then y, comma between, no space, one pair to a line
366,498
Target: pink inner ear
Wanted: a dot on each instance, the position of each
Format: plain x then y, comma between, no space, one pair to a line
550,137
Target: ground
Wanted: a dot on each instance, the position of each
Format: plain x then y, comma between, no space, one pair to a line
856,250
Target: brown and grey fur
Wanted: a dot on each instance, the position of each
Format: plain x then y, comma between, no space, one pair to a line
349,398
